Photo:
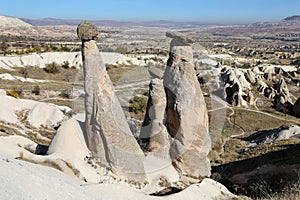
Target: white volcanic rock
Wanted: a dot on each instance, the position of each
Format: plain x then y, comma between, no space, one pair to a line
12,146
12,22
267,68
106,125
39,114
157,169
250,76
7,62
9,106
262,86
73,58
69,139
186,114
236,86
45,114
206,62
213,190
69,145
153,128
270,136
9,77
41,59
221,56
67,152
41,182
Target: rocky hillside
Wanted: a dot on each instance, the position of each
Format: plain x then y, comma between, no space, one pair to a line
12,22
292,18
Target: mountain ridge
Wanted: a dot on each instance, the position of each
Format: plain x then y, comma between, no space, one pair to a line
116,23
292,18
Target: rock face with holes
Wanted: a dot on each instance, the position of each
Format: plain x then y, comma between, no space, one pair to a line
282,100
236,87
107,132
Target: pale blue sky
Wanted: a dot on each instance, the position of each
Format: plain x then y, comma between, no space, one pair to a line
142,10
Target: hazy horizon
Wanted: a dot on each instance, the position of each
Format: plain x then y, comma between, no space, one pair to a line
205,11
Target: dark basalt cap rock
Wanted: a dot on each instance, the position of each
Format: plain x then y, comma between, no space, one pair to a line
179,39
87,31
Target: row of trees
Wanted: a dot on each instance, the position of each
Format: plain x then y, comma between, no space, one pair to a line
54,68
5,48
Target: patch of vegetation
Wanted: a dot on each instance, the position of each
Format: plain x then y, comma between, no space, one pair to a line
65,65
65,94
52,68
138,105
204,79
163,182
36,90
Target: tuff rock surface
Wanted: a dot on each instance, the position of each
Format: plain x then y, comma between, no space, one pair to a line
153,128
176,108
186,113
107,132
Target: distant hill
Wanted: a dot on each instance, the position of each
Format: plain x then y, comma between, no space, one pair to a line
292,18
12,22
288,21
50,22
75,22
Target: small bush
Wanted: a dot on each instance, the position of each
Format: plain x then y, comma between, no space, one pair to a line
65,94
14,94
24,72
138,105
52,68
65,48
65,65
204,79
36,90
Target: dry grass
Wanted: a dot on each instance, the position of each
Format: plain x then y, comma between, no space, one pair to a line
291,192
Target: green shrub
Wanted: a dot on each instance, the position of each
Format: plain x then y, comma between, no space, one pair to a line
65,48
53,48
204,79
65,65
65,94
52,68
36,90
138,105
